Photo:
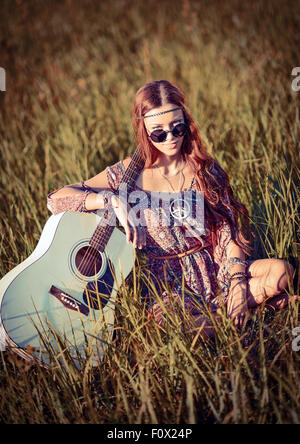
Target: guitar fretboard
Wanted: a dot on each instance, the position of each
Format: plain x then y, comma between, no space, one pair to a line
106,226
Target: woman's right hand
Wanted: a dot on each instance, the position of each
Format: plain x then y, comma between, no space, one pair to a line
136,234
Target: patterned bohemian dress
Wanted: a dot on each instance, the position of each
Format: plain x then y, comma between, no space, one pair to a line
205,272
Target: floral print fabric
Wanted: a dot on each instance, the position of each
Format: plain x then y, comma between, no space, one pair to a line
205,272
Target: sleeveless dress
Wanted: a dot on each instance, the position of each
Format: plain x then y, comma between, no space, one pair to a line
205,272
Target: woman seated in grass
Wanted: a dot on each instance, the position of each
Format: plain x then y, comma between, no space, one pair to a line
213,262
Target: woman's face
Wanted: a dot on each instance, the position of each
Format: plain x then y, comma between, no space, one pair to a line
172,145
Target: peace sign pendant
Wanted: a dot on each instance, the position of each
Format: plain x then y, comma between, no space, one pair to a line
180,208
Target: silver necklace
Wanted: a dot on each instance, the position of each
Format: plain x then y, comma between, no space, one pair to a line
180,171
179,208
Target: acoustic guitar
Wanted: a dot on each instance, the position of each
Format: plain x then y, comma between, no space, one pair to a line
60,301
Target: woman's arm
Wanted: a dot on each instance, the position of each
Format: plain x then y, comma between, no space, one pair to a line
75,198
234,251
237,306
230,259
92,194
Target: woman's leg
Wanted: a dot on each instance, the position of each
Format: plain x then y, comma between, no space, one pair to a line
193,319
267,279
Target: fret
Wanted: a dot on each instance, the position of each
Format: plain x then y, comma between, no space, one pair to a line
105,228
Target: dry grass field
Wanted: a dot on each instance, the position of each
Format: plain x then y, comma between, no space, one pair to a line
72,70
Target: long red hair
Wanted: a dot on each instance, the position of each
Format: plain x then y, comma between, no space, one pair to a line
219,201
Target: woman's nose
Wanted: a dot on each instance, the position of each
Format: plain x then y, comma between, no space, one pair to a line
170,136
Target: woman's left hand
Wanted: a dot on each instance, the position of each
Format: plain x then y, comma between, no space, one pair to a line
237,307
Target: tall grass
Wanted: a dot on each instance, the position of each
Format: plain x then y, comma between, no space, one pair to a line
72,71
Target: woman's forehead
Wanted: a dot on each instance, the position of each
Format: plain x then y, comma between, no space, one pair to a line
163,119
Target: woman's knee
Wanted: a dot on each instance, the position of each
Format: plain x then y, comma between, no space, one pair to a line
285,271
274,280
280,274
290,269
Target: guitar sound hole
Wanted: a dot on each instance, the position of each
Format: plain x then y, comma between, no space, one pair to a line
88,261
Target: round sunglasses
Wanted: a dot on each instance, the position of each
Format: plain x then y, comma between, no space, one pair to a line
160,135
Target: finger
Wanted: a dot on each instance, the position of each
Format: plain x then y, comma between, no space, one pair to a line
135,236
128,233
139,237
142,237
115,201
239,320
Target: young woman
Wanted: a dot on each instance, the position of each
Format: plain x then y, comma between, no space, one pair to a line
176,160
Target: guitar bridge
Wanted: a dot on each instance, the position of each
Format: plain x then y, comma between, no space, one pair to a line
68,301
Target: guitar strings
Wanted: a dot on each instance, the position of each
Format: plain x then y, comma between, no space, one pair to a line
89,258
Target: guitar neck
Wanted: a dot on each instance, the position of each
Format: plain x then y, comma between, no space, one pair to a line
105,228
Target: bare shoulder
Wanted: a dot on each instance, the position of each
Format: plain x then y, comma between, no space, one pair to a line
100,181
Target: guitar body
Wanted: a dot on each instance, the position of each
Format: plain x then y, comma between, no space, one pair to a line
56,297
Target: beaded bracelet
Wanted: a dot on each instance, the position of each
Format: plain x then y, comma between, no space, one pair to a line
87,190
232,261
239,275
107,195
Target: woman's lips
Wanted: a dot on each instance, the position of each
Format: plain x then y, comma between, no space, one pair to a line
171,145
